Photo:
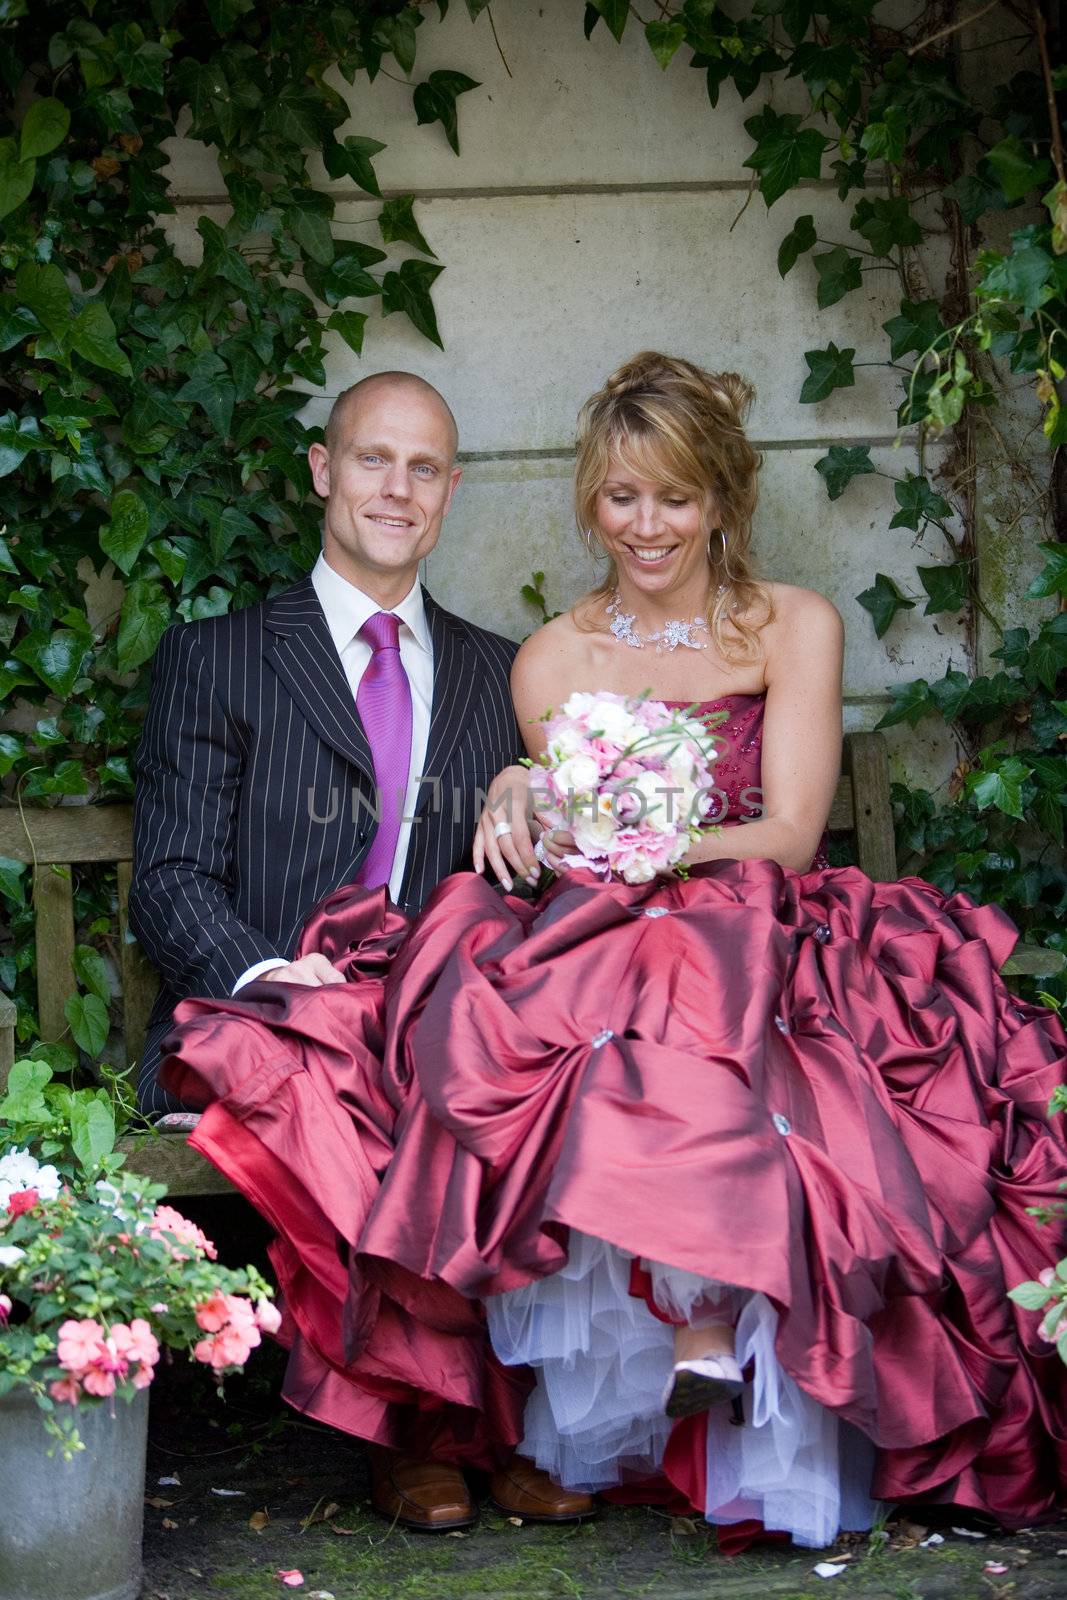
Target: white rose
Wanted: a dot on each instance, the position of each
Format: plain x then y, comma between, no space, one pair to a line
613,721
578,704
577,775
565,743
592,838
640,869
661,804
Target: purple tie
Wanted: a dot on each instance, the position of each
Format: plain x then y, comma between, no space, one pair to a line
383,701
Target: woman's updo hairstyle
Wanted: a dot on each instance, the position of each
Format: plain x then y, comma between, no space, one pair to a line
669,420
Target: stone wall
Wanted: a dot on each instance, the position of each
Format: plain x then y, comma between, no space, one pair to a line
600,207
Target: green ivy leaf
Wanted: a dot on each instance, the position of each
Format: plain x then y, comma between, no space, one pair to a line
397,223
918,503
828,370
883,600
886,224
224,13
1048,655
839,272
16,177
18,436
841,464
350,325
90,969
310,224
886,139
435,101
12,881
43,290
123,537
664,39
800,239
910,702
93,337
12,749
1014,648
409,291
945,586
1016,170
1000,786
1026,276
352,159
1052,578
214,393
785,152
918,327
143,620
45,125
55,657
614,12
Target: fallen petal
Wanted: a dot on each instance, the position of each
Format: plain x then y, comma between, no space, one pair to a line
935,1538
994,1566
829,1569
968,1533
176,1482
292,1577
228,1492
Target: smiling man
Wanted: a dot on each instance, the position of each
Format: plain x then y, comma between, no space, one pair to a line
341,731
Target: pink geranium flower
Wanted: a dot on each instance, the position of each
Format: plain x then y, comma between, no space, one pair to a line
168,1221
213,1314
268,1317
136,1343
23,1200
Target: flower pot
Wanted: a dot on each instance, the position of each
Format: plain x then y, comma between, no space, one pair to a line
71,1530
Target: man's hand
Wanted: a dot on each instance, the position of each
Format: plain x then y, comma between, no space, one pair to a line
314,970
510,851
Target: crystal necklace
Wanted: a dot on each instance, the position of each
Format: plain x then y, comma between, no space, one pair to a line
669,637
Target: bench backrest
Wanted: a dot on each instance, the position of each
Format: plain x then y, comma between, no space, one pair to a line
53,841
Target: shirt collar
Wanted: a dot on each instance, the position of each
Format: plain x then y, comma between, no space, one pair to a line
347,608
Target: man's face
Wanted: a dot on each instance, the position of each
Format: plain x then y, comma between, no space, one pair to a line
388,482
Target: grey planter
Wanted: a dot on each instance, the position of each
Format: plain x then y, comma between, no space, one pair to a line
71,1530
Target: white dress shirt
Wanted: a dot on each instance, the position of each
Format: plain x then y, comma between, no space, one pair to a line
347,609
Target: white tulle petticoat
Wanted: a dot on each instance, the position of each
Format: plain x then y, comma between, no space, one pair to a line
595,1418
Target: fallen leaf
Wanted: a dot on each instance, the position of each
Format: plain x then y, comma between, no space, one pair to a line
934,1538
319,1515
457,1533
194,1572
516,1522
319,1594
229,1493
168,1523
258,1521
683,1526
292,1577
994,1566
968,1533
348,1533
828,1569
157,1502
912,1530
176,1482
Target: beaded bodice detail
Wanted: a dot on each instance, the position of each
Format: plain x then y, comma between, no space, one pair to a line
737,771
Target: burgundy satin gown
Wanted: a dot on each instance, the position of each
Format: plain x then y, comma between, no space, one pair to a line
808,1085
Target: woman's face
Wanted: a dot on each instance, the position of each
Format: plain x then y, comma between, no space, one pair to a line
656,534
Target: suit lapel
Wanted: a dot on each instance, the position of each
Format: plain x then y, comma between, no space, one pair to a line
454,689
302,654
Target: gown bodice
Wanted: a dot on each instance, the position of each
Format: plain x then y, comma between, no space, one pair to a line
738,795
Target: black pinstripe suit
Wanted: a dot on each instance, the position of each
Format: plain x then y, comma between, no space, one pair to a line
250,775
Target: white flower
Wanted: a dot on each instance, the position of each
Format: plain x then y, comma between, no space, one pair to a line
577,775
613,722
10,1254
639,869
565,743
593,838
19,1171
577,705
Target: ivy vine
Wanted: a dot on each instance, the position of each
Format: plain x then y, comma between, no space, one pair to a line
152,456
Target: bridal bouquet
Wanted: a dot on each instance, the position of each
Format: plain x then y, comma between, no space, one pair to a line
630,778
97,1276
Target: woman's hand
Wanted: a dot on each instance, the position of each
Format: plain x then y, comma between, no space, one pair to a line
557,843
502,837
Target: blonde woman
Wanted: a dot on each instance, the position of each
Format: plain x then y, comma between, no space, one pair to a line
758,1146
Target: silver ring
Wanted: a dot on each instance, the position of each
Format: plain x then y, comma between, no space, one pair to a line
501,829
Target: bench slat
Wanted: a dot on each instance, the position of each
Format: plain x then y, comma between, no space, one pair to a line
67,834
876,851
140,981
843,811
166,1158
53,906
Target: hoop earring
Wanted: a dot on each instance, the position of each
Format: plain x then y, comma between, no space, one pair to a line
722,535
593,544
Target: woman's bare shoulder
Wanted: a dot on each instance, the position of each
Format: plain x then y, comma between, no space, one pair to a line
796,608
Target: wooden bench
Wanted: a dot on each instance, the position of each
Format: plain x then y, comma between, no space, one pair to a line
67,836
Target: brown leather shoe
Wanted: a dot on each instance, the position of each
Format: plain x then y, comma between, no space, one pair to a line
522,1490
429,1496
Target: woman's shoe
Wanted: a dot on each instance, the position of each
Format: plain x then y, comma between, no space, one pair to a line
700,1383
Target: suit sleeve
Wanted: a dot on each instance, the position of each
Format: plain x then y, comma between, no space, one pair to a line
190,767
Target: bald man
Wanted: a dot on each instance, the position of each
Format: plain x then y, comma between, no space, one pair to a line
289,749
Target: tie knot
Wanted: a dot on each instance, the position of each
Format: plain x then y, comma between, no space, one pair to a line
382,631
